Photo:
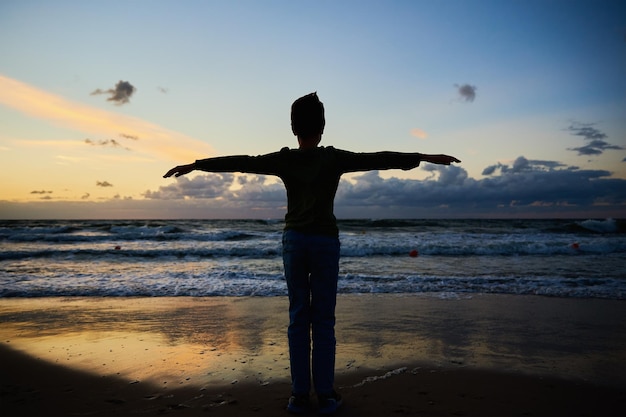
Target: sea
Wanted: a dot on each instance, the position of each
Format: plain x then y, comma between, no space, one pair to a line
583,258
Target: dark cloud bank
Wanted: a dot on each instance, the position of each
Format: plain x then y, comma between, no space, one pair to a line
525,188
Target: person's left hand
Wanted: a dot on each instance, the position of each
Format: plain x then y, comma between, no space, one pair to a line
180,170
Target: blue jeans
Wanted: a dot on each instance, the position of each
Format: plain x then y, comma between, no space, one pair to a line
311,269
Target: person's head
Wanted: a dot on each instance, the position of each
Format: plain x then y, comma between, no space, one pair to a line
307,117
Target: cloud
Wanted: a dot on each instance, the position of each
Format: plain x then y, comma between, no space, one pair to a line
120,94
112,142
126,136
254,193
523,188
203,186
106,142
522,164
466,92
156,140
419,133
103,184
448,175
596,143
163,89
41,192
85,196
520,188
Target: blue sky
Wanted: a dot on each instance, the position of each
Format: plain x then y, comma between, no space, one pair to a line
99,99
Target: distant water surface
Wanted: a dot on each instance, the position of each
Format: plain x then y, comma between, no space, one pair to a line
564,258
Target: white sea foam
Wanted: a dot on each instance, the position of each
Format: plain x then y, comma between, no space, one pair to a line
387,375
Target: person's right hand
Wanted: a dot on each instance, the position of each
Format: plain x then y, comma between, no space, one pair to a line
180,170
440,159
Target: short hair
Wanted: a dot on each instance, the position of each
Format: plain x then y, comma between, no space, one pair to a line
307,116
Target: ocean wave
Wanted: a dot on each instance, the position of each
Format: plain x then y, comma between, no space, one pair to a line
247,246
84,231
274,285
601,226
243,257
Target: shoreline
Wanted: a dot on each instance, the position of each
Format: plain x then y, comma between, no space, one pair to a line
411,353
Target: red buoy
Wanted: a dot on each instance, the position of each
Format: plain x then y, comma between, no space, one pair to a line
414,253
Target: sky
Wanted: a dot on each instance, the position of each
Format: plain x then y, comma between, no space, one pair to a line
99,99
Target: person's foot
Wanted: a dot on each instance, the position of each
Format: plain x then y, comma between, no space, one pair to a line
328,404
299,404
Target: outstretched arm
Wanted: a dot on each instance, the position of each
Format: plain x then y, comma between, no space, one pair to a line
267,164
439,159
262,164
352,162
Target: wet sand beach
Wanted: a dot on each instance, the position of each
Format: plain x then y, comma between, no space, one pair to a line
396,355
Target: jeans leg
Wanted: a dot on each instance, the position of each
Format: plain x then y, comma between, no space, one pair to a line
324,274
297,276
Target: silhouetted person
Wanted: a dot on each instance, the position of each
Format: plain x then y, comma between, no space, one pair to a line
311,175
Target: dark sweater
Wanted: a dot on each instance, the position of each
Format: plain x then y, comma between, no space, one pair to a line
311,177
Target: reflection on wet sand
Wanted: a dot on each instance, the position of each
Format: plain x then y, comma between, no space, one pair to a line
581,339
170,340
204,341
